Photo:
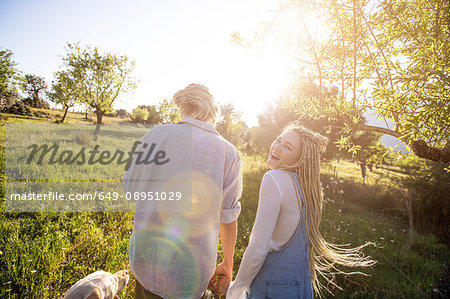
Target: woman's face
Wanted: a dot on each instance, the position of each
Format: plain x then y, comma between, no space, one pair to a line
284,150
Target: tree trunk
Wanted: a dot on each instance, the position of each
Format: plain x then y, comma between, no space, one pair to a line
65,113
409,210
363,171
99,123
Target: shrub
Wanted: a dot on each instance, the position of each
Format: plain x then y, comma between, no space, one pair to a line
19,108
36,103
84,137
139,114
122,113
429,188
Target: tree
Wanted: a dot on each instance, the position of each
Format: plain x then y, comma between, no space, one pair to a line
153,115
34,86
122,113
100,78
9,79
64,92
168,113
139,114
280,114
390,57
369,148
231,126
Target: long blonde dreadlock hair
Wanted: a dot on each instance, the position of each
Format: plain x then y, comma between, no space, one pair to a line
323,255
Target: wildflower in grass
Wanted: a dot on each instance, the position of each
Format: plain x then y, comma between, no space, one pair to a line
33,271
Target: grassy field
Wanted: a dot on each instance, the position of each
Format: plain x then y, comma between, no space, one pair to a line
43,254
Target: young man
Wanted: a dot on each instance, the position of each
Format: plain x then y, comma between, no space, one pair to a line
173,250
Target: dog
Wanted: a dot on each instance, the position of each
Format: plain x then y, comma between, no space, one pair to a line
99,285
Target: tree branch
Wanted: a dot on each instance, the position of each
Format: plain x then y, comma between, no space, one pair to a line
419,147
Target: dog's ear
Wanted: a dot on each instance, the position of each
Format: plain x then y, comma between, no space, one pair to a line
96,294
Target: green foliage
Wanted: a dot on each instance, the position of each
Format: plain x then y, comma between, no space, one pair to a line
416,89
285,111
154,116
9,76
34,86
270,124
36,103
122,113
98,79
387,56
168,113
64,90
231,126
139,114
429,185
19,108
162,113
369,150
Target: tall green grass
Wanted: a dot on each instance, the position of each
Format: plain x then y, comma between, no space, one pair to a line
43,254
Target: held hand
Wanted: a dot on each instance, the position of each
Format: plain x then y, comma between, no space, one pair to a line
223,283
223,275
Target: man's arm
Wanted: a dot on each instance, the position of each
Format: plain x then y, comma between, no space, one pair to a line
227,232
224,271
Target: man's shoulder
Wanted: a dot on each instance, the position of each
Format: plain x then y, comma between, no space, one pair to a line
168,130
230,149
219,142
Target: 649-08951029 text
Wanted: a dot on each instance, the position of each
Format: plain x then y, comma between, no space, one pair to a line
130,196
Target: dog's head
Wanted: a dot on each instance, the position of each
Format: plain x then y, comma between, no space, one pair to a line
122,279
99,285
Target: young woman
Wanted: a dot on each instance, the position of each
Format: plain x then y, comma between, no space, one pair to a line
286,252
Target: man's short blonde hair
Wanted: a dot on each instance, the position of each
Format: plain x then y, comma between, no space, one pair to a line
195,101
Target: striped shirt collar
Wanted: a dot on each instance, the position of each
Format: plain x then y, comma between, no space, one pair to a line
200,124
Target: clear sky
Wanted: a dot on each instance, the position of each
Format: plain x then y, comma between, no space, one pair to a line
173,43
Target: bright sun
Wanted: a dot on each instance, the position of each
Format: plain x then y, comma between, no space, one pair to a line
266,75
263,72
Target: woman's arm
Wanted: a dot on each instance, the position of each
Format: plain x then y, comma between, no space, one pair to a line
270,197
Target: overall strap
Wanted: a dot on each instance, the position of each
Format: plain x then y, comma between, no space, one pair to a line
298,193
301,207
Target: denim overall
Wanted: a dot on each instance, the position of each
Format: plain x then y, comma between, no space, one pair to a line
285,273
